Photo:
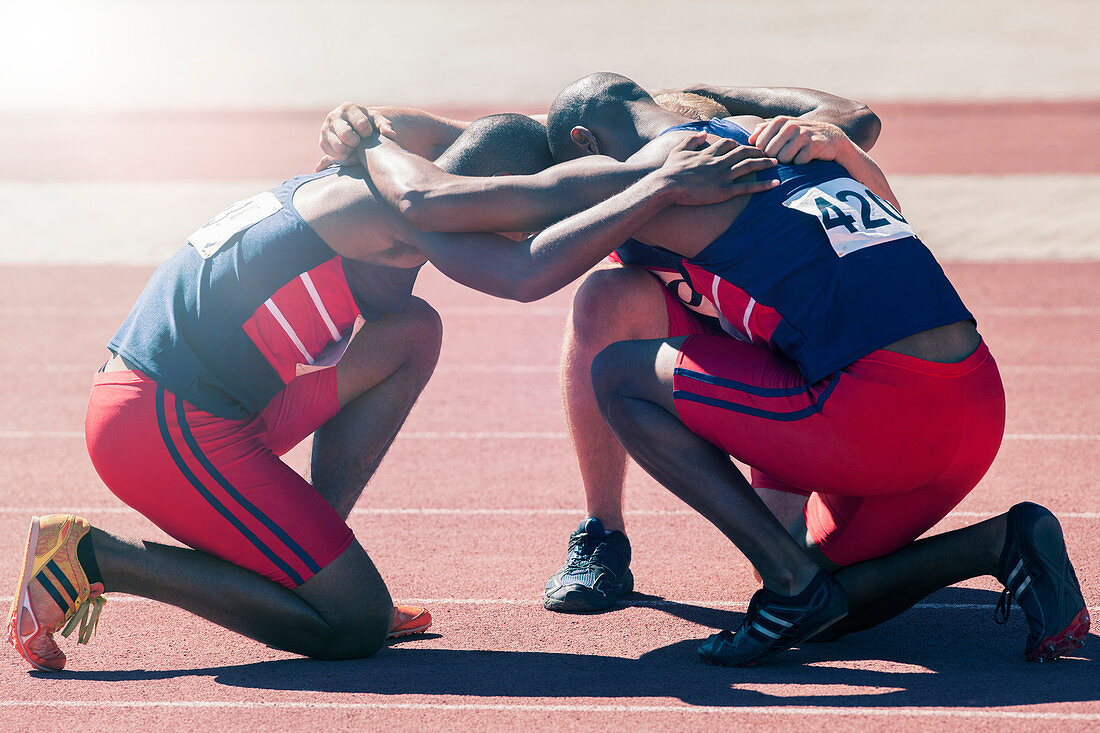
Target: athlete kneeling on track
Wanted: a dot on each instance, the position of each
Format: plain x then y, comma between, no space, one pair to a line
849,370
291,313
932,348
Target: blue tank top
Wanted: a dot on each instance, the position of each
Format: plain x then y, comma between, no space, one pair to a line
225,321
819,268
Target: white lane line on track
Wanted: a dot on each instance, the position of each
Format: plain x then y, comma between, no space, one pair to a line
1021,311
544,310
89,368
1052,369
409,435
499,369
542,708
533,602
119,313
740,605
508,435
531,368
475,512
62,310
1052,436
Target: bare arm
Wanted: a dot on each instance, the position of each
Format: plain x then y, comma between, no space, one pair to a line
417,131
865,170
538,266
434,200
855,118
534,268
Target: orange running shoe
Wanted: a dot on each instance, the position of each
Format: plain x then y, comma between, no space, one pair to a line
53,592
409,620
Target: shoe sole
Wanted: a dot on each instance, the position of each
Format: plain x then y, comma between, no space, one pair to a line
409,632
18,605
1069,639
416,623
582,605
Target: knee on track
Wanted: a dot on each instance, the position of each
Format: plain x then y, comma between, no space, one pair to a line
352,638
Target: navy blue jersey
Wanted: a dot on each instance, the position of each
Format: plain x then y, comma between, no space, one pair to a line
253,298
819,268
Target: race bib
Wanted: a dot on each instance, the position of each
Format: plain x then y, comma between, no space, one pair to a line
852,216
213,235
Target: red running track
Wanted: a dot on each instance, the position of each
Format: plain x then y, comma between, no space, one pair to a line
471,510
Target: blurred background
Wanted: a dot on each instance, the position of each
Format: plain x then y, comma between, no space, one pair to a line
125,124
247,54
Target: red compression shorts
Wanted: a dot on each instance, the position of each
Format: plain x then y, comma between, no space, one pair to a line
218,485
681,322
888,445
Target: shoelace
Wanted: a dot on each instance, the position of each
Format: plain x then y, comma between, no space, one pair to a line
87,615
1004,607
575,558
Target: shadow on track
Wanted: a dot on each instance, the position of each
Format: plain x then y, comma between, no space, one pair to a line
948,657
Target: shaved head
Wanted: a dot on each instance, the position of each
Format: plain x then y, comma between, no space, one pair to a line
504,143
604,103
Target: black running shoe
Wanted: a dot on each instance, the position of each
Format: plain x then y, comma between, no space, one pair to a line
1036,571
774,623
596,571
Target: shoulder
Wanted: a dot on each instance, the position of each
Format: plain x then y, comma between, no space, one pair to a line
748,122
657,149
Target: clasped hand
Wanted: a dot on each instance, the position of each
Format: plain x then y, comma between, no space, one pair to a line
797,140
345,128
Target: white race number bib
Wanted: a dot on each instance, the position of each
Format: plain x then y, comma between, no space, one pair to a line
213,235
851,214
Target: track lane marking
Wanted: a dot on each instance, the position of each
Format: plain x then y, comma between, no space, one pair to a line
493,511
544,708
88,368
507,435
538,310
537,602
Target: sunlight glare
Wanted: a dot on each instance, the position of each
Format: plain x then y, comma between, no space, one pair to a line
54,53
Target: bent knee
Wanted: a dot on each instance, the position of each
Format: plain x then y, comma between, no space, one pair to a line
610,369
418,336
355,634
619,303
356,641
635,370
424,325
353,606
